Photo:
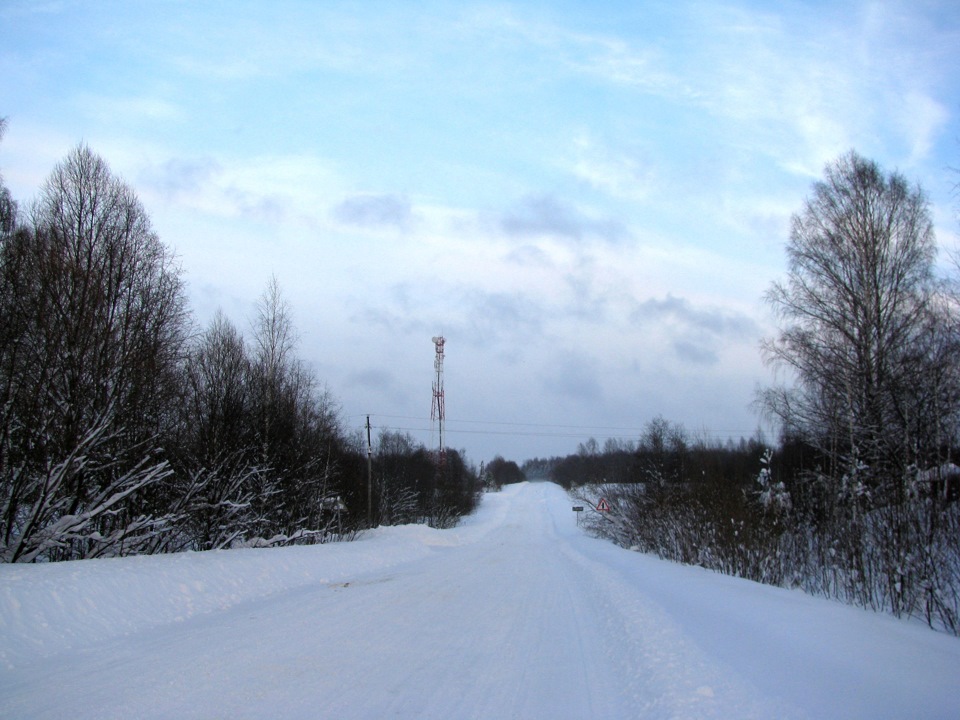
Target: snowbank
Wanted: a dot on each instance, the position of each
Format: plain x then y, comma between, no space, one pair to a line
46,609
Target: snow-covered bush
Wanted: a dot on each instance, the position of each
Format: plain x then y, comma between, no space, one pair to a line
794,531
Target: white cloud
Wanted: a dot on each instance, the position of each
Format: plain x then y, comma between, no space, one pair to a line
575,375
922,119
605,56
267,188
549,216
808,85
28,154
132,109
621,174
373,210
617,61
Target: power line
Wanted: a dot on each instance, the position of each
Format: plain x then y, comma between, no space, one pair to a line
572,431
517,424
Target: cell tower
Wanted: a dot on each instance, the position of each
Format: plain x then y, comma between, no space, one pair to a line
437,413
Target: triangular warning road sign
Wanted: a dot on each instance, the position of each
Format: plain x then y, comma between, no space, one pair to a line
603,505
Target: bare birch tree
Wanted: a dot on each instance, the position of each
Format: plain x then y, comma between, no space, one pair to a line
855,307
8,208
96,317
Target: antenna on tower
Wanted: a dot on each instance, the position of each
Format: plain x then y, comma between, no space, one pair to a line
437,411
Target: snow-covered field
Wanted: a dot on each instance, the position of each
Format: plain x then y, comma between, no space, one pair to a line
514,614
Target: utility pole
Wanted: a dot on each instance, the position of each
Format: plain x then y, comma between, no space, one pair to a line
369,477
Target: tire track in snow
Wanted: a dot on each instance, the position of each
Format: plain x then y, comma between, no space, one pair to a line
668,675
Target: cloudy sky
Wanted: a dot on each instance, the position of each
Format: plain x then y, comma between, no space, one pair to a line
586,199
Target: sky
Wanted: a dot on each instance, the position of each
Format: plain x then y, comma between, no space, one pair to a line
587,200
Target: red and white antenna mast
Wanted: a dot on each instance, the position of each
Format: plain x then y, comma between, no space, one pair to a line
437,412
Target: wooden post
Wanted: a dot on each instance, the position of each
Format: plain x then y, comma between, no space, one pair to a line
369,477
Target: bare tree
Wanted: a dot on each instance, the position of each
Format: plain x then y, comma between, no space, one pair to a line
662,451
397,497
218,407
218,474
297,427
506,472
870,338
273,365
8,208
855,306
96,331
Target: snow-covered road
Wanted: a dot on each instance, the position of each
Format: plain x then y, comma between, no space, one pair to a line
515,614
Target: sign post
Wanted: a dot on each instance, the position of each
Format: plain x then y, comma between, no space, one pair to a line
578,509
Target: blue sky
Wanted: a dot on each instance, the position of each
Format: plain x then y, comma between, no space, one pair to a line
587,199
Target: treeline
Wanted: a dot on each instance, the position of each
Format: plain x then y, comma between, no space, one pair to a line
664,449
858,500
414,485
124,429
500,472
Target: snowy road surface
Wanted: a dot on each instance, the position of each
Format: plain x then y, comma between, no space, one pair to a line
515,614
